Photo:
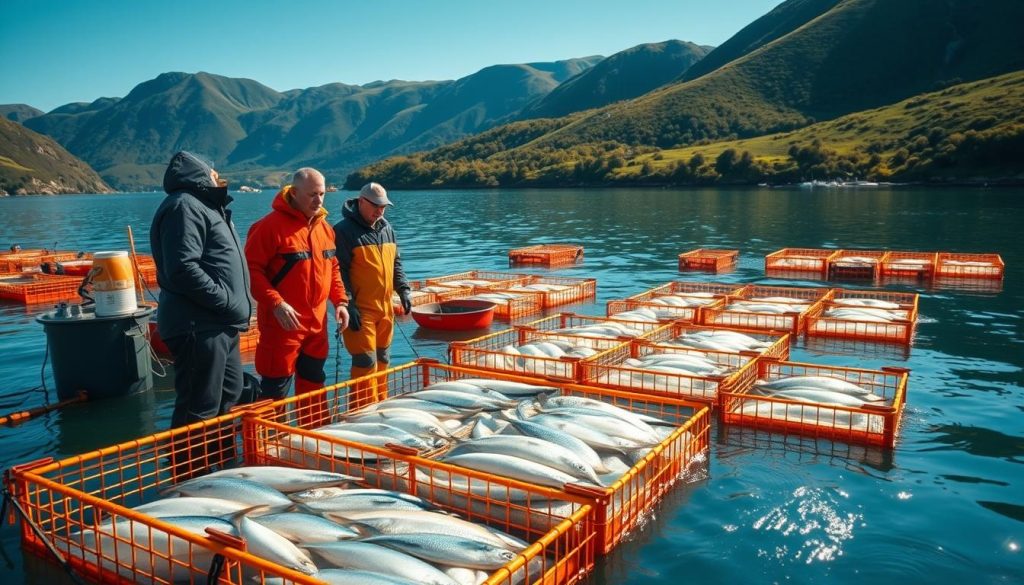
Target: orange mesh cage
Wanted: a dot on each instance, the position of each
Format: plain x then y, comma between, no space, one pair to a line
779,342
15,262
872,424
898,330
546,255
32,288
491,278
909,264
561,290
708,260
800,260
617,508
857,264
950,264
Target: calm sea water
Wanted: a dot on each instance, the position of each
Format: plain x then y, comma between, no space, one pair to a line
946,505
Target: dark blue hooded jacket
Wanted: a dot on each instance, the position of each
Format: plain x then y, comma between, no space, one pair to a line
203,278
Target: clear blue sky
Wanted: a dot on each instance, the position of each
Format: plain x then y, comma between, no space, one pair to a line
53,52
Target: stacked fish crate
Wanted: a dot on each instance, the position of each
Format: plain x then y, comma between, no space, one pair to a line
871,315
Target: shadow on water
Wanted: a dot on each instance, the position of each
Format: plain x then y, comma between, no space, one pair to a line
977,441
1012,511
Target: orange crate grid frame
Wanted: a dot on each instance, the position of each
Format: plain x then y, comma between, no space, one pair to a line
78,493
579,289
808,294
892,267
548,324
813,447
606,370
861,348
708,259
546,254
686,314
417,296
39,288
497,279
800,259
882,423
996,268
839,266
15,262
524,304
618,507
780,341
794,323
484,353
682,287
901,331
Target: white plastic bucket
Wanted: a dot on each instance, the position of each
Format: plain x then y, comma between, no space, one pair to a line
113,284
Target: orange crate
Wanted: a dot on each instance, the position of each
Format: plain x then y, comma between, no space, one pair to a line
492,353
862,349
480,279
618,507
615,308
519,304
680,287
800,259
909,264
608,370
676,301
784,294
708,259
730,314
546,255
670,338
868,424
145,269
817,448
950,264
77,495
900,330
31,288
560,290
859,264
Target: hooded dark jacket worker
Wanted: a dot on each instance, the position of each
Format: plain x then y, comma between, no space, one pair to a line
371,268
294,267
204,289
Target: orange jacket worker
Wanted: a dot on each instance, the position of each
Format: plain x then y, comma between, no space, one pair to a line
294,271
371,268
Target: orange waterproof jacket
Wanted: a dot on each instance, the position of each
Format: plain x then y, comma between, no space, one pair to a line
294,260
371,265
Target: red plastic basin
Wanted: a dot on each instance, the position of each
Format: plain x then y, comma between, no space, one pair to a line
455,315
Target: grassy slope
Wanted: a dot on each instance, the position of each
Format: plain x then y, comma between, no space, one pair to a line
37,164
984,105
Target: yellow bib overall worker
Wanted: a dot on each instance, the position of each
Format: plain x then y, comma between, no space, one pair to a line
371,268
294,271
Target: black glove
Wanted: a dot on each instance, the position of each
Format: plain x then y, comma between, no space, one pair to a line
354,320
406,302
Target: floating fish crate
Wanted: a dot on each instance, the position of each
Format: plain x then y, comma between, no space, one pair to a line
480,279
489,353
563,290
521,304
911,265
950,264
666,313
779,342
871,424
800,259
608,370
15,262
72,503
29,288
857,264
898,330
862,349
555,327
708,260
617,508
691,299
793,322
546,255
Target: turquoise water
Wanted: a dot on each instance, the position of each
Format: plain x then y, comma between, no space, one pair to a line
945,506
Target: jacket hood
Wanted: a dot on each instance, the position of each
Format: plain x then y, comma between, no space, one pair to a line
283,203
187,172
351,210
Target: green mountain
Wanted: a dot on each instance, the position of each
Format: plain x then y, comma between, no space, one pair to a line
31,163
858,55
622,76
782,20
18,112
256,134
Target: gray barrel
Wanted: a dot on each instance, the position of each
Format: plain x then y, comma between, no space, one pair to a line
105,356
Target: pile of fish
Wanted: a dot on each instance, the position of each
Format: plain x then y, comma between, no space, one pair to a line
855,262
643,315
768,305
518,358
798,261
313,522
497,297
909,263
684,372
871,310
817,390
470,282
539,287
555,440
719,340
692,299
949,262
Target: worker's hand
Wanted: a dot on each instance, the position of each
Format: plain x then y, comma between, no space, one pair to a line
341,316
354,319
406,302
287,317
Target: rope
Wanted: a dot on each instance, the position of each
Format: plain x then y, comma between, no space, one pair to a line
409,342
337,355
9,499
